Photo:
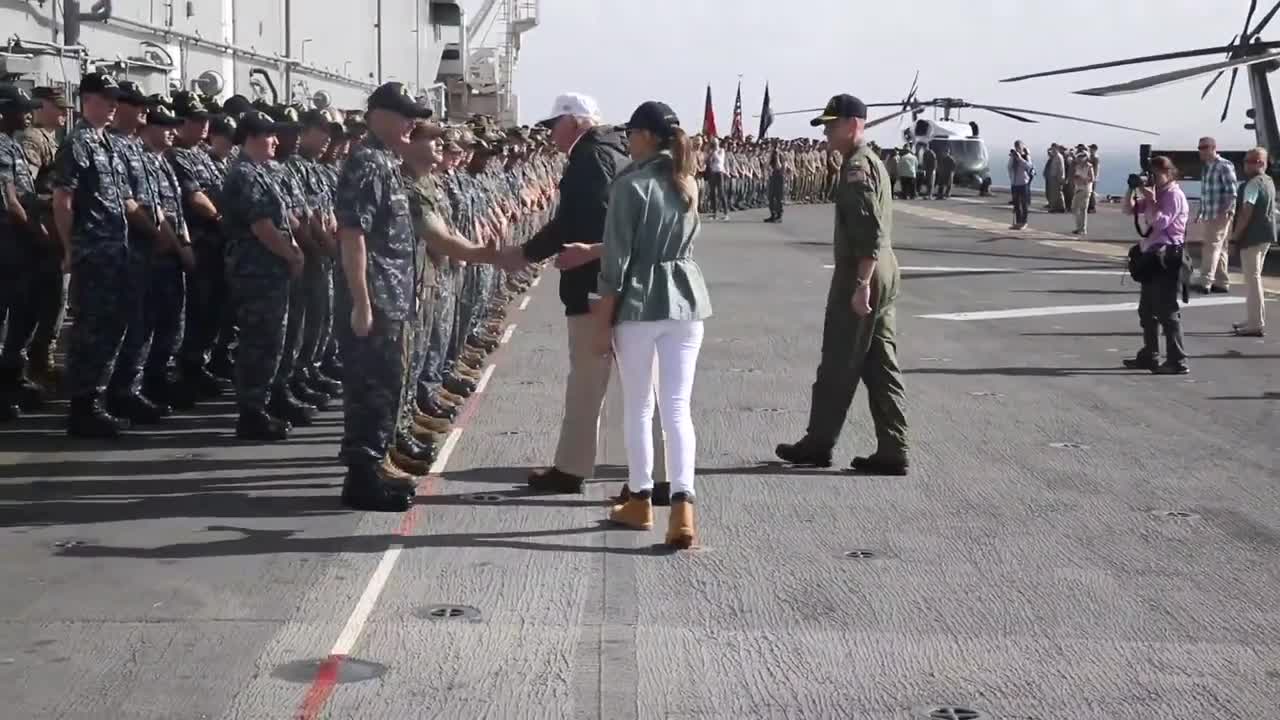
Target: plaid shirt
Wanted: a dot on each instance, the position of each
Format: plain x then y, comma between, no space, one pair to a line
1217,189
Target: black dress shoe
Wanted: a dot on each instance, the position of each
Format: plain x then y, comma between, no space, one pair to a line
460,387
88,419
554,480
805,453
308,396
876,465
258,426
1169,368
287,407
1219,290
363,489
328,386
415,449
30,396
205,383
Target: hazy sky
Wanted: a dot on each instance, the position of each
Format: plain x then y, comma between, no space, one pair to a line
625,52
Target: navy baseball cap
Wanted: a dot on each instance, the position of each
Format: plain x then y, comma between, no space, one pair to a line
131,94
658,118
257,123
100,84
841,107
13,98
394,97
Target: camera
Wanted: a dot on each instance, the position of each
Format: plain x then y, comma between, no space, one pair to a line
1140,180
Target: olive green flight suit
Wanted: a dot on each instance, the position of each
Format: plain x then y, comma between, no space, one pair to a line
861,348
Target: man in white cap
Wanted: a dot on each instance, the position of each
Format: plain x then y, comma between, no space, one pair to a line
596,154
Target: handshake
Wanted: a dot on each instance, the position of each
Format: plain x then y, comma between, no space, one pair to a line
571,256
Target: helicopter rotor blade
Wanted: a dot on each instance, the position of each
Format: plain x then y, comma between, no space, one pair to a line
1265,19
1062,117
1019,118
1218,77
886,118
1182,54
1230,89
1253,7
1169,78
820,109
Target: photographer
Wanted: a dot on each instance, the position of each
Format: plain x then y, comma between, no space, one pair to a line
1020,173
1083,178
1156,262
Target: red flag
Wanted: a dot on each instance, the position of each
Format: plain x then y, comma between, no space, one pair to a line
709,118
736,132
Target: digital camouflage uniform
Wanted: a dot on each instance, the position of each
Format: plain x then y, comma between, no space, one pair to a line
861,349
259,280
372,200
44,301
166,280
317,277
207,287
105,288
426,200
15,173
127,378
286,176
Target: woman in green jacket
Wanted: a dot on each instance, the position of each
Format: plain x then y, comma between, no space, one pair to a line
652,303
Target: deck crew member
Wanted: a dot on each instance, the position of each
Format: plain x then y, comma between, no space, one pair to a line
859,336
375,237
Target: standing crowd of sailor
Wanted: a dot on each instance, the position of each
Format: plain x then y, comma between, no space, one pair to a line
201,246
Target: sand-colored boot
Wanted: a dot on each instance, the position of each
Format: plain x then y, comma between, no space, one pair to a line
636,513
415,468
425,436
389,471
445,396
681,533
428,424
468,372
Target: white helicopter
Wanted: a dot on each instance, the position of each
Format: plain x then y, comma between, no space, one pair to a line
961,139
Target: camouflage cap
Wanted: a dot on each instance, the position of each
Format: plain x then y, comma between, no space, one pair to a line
52,94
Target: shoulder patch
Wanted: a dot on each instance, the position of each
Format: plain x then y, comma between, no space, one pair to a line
855,173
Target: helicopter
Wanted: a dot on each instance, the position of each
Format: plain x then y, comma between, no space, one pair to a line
963,140
1245,50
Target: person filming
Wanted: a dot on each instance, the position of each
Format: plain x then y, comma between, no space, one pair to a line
1156,262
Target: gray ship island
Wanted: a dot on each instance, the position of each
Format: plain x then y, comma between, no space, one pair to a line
1075,540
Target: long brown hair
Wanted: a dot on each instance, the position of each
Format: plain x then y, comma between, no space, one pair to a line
684,166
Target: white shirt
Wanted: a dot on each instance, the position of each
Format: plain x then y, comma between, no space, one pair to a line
715,161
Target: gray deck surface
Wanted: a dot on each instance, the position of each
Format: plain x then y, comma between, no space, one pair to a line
206,578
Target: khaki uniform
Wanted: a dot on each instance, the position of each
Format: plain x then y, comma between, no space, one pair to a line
861,349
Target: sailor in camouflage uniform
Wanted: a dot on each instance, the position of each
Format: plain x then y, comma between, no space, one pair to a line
17,223
168,261
125,397
221,149
375,298
207,285
91,193
262,258
31,338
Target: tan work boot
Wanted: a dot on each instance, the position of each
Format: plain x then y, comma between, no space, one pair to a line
414,468
389,471
468,372
425,436
681,533
431,425
636,513
450,398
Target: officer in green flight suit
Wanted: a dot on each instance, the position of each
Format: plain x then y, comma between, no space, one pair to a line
859,337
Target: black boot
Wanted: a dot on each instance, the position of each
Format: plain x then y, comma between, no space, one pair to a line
319,383
222,368
363,489
304,393
25,393
87,419
420,451
9,410
205,384
258,426
880,465
181,393
805,453
287,407
555,480
458,386
135,408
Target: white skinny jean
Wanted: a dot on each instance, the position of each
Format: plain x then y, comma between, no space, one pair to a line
676,344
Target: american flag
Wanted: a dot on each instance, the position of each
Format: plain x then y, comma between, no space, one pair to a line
736,132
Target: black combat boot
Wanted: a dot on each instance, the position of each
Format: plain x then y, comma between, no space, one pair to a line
304,393
203,382
9,410
319,383
805,452
221,366
287,407
557,481
256,425
135,408
364,489
25,393
88,419
878,464
416,449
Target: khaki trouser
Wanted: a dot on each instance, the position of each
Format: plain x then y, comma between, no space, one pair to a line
1080,206
583,401
1213,251
1252,258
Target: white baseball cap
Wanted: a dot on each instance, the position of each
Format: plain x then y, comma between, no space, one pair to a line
573,104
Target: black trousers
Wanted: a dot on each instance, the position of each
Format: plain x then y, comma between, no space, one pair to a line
1158,310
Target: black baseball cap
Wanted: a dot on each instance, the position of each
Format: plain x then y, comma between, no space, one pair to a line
841,107
131,94
315,119
256,123
14,98
223,125
100,84
658,118
394,97
161,115
187,106
236,105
